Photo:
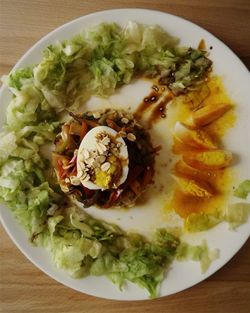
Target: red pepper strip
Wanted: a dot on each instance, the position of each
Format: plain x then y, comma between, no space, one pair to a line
148,176
84,129
114,196
73,160
74,171
91,124
113,125
61,172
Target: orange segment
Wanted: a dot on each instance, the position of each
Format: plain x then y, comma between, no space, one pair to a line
195,138
208,160
194,187
210,113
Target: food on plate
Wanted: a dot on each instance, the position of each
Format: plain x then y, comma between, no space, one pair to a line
195,138
208,114
243,189
208,160
105,158
194,186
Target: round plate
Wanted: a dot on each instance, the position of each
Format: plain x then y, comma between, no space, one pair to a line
236,80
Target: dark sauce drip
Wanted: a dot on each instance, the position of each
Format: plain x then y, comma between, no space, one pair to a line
146,104
160,110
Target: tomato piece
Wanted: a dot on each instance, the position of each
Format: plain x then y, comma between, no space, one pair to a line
84,129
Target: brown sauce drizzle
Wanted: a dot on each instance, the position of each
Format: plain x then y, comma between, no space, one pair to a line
160,110
146,103
149,109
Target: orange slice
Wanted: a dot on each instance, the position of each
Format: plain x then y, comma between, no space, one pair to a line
194,186
194,138
208,160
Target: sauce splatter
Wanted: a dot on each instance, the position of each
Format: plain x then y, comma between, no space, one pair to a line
160,110
146,104
153,107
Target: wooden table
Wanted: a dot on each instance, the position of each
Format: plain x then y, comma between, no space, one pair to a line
24,288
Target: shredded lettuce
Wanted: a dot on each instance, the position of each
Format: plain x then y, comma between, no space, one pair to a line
107,56
237,214
18,78
196,222
199,253
7,145
24,189
83,245
243,189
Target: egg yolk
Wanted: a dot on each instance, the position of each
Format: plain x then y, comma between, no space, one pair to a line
108,179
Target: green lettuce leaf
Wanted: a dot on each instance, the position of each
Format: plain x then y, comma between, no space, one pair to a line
18,78
7,145
243,189
196,222
82,245
24,189
237,214
199,253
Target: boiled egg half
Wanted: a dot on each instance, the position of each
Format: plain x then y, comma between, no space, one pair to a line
102,159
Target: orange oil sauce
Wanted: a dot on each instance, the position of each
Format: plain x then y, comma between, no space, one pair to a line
220,181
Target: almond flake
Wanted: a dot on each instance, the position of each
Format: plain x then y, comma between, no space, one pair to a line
124,120
122,134
101,148
105,140
96,114
101,159
64,188
131,137
75,180
105,166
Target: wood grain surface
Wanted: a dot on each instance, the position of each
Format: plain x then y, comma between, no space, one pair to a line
24,288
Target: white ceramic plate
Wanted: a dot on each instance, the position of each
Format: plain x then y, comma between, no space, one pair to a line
237,81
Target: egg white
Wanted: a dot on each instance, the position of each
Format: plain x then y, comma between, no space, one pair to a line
89,143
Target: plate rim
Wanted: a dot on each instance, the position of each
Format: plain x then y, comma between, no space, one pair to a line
47,36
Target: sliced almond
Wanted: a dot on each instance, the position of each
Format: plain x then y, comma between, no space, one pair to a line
105,166
124,120
64,188
131,137
74,180
105,141
101,148
101,159
208,160
122,134
96,114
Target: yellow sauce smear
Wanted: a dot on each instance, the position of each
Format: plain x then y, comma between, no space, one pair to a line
216,182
